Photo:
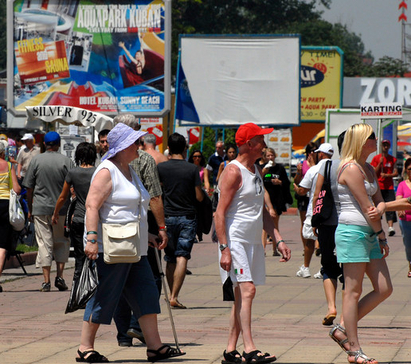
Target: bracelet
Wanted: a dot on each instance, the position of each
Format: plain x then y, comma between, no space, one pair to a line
382,241
162,228
91,232
377,233
280,241
92,241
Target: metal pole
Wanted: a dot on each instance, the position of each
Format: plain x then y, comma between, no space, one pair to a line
160,269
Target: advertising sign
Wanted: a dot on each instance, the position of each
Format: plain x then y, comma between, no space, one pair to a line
105,57
281,141
321,81
230,80
361,90
381,111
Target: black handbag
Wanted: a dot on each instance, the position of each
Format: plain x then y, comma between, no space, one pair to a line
325,203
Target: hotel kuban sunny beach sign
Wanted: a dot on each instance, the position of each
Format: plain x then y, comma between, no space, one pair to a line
104,57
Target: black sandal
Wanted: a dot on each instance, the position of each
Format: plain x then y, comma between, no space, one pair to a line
169,353
253,357
232,357
94,357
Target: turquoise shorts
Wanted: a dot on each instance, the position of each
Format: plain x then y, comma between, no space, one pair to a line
355,244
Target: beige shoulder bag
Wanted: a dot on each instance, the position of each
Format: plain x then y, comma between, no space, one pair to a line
121,242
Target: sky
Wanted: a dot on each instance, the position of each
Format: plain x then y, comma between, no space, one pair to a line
375,20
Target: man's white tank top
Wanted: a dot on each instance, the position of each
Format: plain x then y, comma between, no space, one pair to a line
244,218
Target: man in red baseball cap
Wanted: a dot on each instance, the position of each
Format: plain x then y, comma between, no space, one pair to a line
386,168
239,219
248,131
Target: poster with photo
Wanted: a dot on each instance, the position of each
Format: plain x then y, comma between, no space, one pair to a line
100,56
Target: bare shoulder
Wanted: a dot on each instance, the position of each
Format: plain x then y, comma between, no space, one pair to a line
231,177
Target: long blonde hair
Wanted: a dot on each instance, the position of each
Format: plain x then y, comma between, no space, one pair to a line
354,140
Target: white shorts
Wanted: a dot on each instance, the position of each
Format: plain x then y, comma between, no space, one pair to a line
248,263
308,232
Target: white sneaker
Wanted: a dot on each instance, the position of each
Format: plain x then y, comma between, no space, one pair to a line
391,231
318,275
303,272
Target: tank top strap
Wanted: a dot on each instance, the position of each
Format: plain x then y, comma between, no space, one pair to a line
348,164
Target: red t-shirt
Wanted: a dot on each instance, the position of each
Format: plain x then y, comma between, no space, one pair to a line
388,166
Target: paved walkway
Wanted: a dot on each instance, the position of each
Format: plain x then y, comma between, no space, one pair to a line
287,315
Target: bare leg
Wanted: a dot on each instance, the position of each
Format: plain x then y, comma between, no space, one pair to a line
176,277
234,323
60,269
264,239
148,324
247,294
3,253
46,274
308,251
330,289
88,335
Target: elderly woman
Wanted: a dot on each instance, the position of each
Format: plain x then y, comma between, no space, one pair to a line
8,181
117,195
360,241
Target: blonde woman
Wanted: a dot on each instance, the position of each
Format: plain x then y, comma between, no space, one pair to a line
360,242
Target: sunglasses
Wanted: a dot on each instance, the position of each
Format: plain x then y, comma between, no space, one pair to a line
196,156
372,136
408,169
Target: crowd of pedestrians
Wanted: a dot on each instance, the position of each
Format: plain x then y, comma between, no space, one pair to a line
126,180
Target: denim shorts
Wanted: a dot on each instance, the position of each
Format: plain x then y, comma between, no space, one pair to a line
355,244
135,280
181,233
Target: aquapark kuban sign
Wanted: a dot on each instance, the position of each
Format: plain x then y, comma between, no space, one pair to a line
321,81
102,56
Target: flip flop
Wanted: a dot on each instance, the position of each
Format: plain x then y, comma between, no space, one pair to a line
329,319
169,353
177,304
94,357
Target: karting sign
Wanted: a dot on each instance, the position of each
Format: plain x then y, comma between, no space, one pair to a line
381,111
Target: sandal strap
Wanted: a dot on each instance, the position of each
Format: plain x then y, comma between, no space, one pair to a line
158,351
360,354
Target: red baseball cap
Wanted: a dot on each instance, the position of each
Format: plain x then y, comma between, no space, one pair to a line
248,131
386,141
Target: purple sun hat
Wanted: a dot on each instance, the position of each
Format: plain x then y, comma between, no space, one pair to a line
120,138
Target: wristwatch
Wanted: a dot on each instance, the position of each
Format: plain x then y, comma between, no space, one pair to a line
409,200
223,246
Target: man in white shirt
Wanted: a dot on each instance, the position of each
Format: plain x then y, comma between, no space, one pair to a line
25,156
325,151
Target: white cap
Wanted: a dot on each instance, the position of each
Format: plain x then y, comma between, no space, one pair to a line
326,148
27,136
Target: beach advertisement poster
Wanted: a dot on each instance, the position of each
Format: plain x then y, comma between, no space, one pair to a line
101,56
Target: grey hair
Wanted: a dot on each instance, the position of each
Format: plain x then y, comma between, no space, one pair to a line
128,119
150,139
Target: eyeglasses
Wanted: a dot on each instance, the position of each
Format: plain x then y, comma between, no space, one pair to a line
372,136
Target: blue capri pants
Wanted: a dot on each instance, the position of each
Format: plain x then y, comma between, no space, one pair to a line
134,280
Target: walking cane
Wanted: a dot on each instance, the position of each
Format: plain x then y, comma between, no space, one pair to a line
160,269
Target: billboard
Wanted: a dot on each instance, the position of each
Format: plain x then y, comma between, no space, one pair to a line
321,81
229,80
106,57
